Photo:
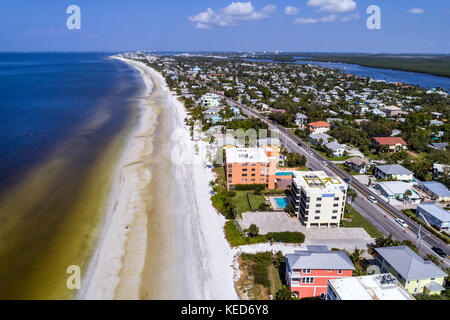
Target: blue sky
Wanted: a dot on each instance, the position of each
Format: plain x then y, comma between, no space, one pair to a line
415,26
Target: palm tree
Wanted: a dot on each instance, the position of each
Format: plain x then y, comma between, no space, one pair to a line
384,241
356,255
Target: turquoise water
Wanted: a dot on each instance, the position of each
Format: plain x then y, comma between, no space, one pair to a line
283,174
281,203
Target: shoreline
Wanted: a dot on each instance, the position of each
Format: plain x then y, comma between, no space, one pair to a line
161,238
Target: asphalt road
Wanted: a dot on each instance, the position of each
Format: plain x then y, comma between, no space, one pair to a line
381,214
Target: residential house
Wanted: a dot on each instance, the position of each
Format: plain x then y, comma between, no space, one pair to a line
308,271
392,143
357,164
393,172
414,273
441,170
319,127
434,215
398,190
393,111
439,145
337,149
436,190
320,138
300,120
372,287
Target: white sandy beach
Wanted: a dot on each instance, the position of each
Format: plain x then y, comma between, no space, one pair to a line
162,239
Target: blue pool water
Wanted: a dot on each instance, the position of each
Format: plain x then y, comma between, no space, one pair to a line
281,203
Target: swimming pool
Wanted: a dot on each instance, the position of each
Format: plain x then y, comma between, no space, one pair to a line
281,202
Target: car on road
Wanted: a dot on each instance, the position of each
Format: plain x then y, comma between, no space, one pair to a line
311,153
439,252
325,163
401,222
372,199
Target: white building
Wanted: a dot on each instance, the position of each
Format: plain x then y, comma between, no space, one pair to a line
373,287
317,199
210,100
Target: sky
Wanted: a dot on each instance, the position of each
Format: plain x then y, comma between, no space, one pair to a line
407,26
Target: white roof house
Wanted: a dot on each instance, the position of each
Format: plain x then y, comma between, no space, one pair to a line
372,287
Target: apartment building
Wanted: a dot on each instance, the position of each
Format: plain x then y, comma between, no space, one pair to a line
308,271
318,200
250,166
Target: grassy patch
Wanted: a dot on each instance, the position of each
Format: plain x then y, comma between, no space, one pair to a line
235,238
358,221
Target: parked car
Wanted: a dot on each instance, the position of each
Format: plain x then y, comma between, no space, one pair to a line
372,199
401,222
439,252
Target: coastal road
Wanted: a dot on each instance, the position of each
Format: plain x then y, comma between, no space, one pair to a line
381,214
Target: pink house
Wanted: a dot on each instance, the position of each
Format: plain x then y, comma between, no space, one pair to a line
308,271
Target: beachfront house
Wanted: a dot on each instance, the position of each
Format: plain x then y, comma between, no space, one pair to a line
414,273
308,271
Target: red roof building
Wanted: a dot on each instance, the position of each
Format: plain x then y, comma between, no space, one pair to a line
394,143
319,126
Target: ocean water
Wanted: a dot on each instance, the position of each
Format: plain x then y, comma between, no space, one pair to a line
64,120
423,80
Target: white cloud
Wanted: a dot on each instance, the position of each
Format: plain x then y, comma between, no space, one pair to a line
350,17
291,10
231,15
333,5
416,11
329,18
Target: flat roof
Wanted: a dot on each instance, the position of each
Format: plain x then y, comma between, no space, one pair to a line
318,181
371,287
243,155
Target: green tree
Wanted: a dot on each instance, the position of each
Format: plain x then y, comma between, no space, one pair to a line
284,294
254,230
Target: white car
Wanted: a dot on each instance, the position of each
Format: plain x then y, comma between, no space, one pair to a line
401,222
372,199
325,163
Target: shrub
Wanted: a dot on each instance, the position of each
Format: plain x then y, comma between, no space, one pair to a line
287,237
260,274
245,187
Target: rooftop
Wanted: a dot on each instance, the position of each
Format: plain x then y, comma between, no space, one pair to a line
408,264
437,188
395,187
373,287
436,211
319,124
394,169
243,155
392,141
319,257
318,181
